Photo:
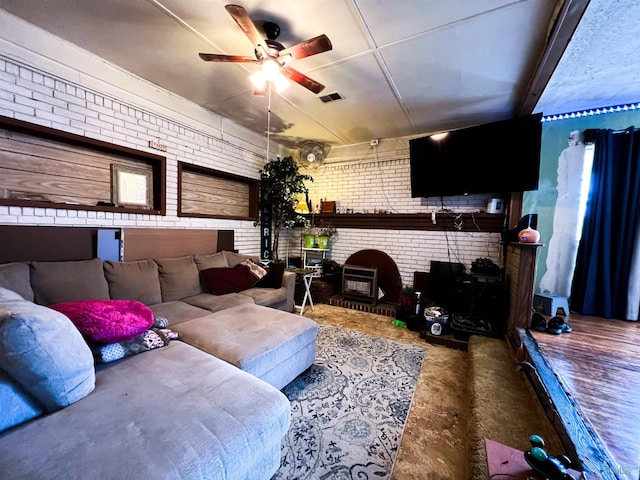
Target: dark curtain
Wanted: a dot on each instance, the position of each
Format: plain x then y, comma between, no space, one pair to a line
603,265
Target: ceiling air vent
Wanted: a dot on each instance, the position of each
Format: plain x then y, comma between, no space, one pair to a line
331,97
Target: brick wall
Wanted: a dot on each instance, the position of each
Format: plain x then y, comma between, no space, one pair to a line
30,94
383,184
44,93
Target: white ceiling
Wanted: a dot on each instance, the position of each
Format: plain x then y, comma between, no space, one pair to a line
404,67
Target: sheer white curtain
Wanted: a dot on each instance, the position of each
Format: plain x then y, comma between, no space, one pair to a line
573,174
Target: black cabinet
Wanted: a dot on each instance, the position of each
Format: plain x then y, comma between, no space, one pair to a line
481,297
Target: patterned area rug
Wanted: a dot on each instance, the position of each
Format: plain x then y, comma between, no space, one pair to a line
349,409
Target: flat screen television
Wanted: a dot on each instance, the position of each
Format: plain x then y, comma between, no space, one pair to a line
498,157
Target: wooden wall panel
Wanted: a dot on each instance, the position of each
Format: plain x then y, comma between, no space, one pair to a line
37,169
206,195
22,243
48,168
143,243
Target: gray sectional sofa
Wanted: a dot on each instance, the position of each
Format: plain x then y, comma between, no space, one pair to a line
206,406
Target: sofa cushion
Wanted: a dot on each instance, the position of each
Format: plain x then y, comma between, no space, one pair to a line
178,311
179,278
273,345
234,259
172,413
134,281
45,353
16,405
15,276
214,260
107,321
215,303
67,281
233,279
268,297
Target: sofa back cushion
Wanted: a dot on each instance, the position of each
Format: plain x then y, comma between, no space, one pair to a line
179,278
67,281
214,260
134,281
15,276
44,352
234,259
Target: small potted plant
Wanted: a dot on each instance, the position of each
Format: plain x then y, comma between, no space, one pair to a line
325,232
309,233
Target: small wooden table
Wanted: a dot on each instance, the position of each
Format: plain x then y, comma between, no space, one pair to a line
306,274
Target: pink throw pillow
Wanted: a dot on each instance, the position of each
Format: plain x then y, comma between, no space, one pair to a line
107,321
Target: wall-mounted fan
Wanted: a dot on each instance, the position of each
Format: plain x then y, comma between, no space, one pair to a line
312,154
272,54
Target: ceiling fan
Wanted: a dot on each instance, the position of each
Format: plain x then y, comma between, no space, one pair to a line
312,155
272,55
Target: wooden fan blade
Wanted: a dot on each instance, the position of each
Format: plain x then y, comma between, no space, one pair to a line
241,17
315,45
302,79
214,57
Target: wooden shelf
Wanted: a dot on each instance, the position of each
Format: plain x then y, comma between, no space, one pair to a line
449,221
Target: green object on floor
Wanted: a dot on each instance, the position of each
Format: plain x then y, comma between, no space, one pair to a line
400,323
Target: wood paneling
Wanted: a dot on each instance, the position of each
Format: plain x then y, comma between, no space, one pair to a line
43,167
519,279
204,192
22,243
143,243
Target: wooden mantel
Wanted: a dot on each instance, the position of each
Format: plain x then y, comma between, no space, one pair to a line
449,221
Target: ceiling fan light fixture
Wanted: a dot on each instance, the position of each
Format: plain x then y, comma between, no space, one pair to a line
270,69
281,83
268,54
259,80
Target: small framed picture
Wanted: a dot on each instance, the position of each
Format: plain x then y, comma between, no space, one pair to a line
131,186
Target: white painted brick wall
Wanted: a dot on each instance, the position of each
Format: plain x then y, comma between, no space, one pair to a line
29,94
385,185
40,98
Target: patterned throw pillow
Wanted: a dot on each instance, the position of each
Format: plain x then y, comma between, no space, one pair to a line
152,338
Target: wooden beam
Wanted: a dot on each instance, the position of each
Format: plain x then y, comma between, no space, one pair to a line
566,21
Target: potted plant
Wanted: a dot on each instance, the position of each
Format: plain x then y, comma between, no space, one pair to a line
309,233
280,185
325,232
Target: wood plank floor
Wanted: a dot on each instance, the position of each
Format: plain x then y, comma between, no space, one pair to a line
598,365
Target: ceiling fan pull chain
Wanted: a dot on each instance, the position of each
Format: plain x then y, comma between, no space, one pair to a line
268,119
